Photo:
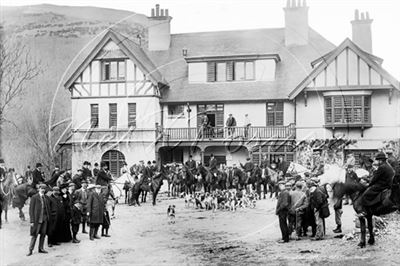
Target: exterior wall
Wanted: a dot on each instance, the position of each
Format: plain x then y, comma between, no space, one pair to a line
256,111
147,112
265,70
182,121
197,72
133,152
288,113
385,119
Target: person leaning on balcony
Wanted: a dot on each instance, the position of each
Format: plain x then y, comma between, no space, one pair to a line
231,124
247,124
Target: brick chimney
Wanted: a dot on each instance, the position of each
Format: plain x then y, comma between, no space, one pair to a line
159,29
296,23
362,35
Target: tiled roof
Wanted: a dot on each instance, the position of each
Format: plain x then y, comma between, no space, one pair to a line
294,66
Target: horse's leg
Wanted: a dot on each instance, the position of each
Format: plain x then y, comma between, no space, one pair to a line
363,232
371,239
5,214
21,214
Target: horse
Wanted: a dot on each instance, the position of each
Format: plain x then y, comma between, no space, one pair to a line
206,178
153,186
297,169
21,194
6,193
188,180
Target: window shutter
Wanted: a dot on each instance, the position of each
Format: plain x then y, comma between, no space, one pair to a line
229,70
211,71
131,114
113,115
94,115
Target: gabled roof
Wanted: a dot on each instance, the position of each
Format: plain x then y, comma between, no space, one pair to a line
130,48
324,61
290,70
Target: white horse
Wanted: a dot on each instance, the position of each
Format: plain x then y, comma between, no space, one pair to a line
295,168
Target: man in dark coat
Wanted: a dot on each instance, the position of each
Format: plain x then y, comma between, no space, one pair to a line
96,171
351,177
86,172
78,178
103,179
382,179
282,210
39,212
231,124
395,164
191,165
283,165
56,206
37,175
238,177
317,199
95,210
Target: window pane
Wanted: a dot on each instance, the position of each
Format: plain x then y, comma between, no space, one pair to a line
121,70
113,71
357,115
176,110
279,119
279,106
347,101
270,119
328,116
337,101
221,72
239,71
328,102
338,115
347,115
367,118
249,70
106,71
113,115
357,100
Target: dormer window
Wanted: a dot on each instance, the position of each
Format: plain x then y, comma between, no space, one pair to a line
113,70
230,71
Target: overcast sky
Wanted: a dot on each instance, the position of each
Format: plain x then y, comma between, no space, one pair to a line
331,18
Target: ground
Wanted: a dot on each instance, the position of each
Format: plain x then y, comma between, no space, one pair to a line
143,236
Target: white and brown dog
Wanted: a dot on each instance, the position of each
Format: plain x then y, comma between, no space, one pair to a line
171,214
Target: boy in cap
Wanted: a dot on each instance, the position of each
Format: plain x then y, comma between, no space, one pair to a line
76,218
82,196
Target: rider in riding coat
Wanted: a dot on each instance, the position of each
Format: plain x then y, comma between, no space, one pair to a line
213,164
382,179
191,165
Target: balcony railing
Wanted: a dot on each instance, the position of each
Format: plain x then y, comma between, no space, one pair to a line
220,133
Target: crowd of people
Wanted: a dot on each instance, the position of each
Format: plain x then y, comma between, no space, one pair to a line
64,203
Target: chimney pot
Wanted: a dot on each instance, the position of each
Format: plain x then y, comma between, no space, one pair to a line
367,15
356,15
304,3
299,3
362,16
166,12
157,10
288,3
162,12
152,12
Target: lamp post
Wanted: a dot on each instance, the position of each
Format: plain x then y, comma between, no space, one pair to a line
188,111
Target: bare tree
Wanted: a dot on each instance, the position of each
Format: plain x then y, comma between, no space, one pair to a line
17,69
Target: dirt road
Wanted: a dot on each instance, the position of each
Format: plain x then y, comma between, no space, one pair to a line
142,235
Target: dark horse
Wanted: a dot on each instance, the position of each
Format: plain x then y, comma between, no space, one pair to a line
389,202
207,178
154,185
188,180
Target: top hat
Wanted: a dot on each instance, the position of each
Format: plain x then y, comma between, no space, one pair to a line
380,156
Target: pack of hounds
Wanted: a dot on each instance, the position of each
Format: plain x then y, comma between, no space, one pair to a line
229,200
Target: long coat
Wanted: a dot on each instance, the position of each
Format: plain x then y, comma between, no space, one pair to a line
95,208
37,177
54,204
381,180
35,209
283,204
103,179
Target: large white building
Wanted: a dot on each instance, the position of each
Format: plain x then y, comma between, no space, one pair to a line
132,101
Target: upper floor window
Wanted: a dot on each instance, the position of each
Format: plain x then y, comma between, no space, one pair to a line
176,111
113,115
131,114
274,113
354,109
113,70
230,70
94,115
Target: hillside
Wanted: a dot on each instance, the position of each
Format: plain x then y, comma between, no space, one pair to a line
54,36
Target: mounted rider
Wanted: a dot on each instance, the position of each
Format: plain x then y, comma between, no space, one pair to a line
191,165
382,179
213,164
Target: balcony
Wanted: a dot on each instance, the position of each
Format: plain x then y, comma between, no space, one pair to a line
224,133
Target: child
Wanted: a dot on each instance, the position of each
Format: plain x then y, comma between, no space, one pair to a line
106,223
76,219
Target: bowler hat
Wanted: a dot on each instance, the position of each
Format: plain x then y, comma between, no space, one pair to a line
42,186
380,156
